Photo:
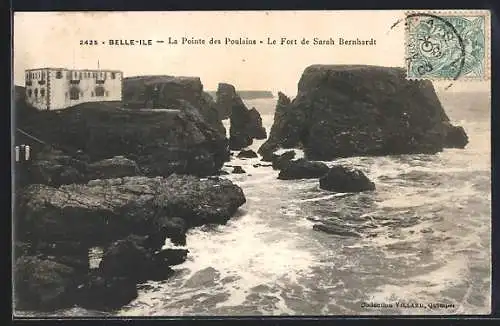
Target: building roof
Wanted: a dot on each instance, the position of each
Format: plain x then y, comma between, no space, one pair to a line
68,69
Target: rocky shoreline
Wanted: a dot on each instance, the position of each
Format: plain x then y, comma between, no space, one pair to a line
119,176
356,110
131,217
126,177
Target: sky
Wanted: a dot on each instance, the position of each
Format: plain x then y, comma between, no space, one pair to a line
52,39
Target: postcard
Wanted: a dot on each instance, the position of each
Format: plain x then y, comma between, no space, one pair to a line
251,163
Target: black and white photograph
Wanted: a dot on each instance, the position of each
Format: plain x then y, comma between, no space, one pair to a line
251,163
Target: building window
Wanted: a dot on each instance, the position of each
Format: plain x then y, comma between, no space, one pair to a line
74,93
42,92
99,91
36,92
27,76
59,75
113,75
68,75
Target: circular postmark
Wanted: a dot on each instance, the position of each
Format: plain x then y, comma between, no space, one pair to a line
435,48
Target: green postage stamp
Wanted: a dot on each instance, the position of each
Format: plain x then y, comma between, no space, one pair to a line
447,45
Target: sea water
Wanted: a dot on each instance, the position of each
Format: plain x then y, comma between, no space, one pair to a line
424,245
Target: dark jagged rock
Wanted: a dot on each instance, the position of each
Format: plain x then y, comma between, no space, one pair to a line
52,167
173,228
342,179
173,256
185,134
225,97
160,142
98,292
115,167
335,229
238,169
130,258
343,111
110,209
247,154
239,135
302,169
255,127
245,125
70,253
279,161
42,284
62,223
456,137
170,92
282,133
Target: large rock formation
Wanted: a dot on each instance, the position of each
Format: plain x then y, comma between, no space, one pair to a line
247,154
131,216
280,161
115,167
169,92
42,283
255,127
343,111
104,210
122,258
343,179
160,142
224,98
53,167
302,169
245,124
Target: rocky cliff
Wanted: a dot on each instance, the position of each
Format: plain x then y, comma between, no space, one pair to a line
224,98
343,111
169,92
161,142
245,124
108,174
131,217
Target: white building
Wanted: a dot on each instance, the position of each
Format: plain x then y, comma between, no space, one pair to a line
59,88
